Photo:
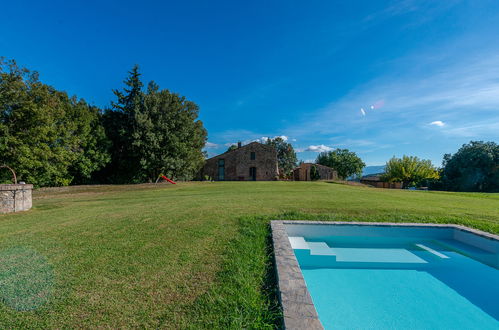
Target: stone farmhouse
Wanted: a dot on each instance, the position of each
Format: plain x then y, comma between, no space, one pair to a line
252,162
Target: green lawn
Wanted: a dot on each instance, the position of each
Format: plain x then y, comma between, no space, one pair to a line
193,255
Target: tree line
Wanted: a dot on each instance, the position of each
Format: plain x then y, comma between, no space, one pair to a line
52,139
474,167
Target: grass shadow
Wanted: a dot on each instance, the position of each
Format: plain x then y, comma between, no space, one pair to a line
244,292
270,285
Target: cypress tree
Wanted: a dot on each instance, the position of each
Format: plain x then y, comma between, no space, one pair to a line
121,127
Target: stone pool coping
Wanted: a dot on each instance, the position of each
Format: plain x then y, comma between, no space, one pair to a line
297,306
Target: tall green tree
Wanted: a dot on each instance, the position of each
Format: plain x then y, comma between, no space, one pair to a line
409,170
286,155
169,137
121,127
344,161
153,132
94,146
47,137
474,167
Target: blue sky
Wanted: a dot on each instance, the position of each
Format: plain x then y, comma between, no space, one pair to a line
381,78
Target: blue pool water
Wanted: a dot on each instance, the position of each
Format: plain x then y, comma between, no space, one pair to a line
362,282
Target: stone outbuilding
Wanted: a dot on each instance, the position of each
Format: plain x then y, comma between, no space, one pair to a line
376,180
302,172
252,162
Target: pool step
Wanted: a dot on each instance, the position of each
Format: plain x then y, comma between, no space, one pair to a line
320,249
298,243
370,255
354,255
438,254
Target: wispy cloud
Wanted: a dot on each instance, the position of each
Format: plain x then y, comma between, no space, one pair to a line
264,139
353,142
438,123
396,9
471,131
210,145
400,8
318,148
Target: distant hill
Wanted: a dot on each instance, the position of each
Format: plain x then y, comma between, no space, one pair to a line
373,169
369,170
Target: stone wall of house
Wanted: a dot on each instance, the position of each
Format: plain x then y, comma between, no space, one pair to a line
238,163
15,197
302,173
381,184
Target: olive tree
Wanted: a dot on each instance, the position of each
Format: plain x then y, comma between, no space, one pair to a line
409,170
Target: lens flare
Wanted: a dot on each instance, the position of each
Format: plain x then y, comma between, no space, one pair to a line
378,105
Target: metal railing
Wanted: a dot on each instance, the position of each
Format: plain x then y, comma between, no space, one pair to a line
13,173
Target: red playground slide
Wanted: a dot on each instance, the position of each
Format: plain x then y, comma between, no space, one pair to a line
171,181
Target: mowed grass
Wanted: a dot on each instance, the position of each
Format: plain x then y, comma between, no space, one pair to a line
191,255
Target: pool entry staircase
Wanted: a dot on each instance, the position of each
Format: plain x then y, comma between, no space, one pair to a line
398,255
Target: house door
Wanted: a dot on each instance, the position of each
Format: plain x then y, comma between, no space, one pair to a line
221,169
253,173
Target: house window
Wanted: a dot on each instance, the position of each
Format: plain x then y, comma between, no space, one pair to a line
252,156
221,169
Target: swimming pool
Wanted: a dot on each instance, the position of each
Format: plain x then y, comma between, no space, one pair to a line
364,276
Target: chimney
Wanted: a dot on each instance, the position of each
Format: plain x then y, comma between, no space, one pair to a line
239,144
